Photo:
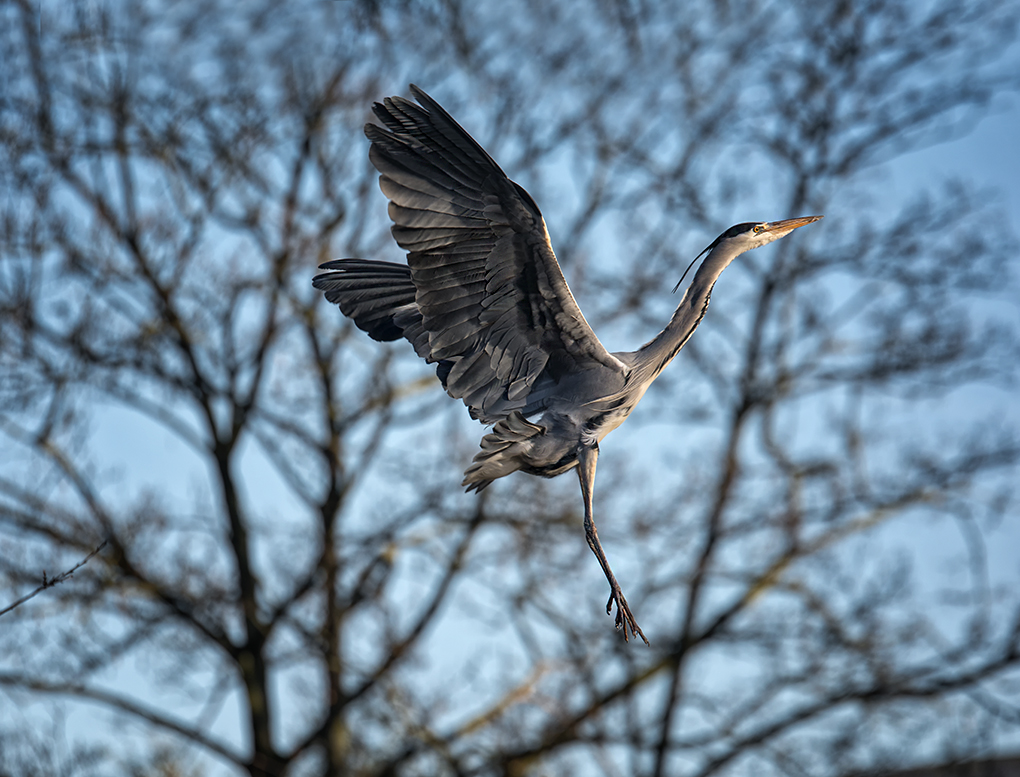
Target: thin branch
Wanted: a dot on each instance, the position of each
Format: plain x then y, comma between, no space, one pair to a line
124,705
49,582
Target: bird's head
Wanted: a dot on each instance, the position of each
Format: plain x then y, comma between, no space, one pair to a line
753,235
743,237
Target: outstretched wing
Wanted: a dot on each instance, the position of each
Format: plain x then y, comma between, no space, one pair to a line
492,298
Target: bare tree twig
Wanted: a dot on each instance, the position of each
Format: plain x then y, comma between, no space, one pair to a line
49,582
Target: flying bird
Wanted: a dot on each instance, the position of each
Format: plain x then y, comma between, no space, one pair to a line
483,298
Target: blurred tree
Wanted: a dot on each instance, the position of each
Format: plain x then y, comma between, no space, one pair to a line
292,582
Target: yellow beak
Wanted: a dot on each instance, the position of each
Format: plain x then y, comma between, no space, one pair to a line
790,224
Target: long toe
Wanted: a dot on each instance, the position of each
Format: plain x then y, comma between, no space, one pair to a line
624,617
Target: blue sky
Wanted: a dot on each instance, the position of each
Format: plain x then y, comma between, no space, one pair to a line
988,156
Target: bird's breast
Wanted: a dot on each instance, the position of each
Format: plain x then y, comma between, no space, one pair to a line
602,424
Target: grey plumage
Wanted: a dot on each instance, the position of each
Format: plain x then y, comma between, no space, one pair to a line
483,297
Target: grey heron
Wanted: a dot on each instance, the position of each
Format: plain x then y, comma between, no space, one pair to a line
483,298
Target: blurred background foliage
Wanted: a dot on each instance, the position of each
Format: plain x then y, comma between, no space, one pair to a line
812,512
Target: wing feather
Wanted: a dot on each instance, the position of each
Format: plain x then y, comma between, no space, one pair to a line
490,304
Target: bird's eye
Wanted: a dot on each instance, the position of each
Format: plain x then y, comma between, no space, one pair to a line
758,228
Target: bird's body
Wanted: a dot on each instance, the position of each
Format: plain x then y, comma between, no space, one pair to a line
483,298
574,415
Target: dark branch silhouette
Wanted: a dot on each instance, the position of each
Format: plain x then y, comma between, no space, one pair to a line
808,508
49,582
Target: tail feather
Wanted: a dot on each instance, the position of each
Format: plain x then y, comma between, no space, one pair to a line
501,451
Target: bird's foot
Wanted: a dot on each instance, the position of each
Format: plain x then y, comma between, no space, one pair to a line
624,617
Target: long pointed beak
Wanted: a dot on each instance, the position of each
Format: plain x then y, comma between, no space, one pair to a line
788,225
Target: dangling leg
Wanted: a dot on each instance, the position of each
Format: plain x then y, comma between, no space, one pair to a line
586,459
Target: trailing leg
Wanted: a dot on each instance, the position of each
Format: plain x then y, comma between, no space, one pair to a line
587,457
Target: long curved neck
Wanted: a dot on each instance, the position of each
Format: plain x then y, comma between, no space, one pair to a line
654,355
